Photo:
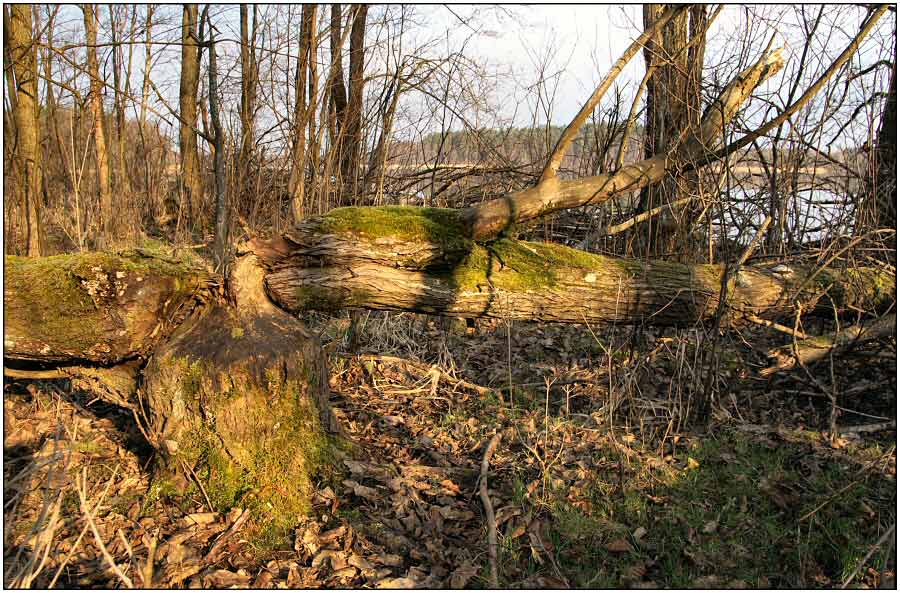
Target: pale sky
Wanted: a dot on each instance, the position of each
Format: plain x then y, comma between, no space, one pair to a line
577,43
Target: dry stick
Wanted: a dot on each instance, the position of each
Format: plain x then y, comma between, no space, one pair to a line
489,509
877,427
810,350
777,326
81,486
71,552
871,551
147,572
624,226
21,374
189,470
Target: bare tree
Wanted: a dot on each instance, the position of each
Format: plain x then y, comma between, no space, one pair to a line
107,216
191,188
26,149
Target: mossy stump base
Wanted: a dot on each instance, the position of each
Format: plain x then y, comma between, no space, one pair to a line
237,399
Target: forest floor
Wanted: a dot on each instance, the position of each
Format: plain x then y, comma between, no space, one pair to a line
603,477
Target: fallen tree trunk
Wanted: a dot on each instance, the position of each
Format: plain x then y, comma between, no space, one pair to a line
110,308
815,349
419,259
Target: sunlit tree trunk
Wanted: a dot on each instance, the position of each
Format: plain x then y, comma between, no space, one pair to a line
106,208
353,119
338,97
120,81
303,110
673,106
26,141
191,189
249,78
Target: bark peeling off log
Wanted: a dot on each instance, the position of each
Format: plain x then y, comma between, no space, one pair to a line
239,395
96,307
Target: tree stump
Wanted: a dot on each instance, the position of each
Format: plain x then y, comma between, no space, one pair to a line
238,400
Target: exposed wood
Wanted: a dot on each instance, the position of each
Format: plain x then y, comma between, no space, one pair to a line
489,508
814,349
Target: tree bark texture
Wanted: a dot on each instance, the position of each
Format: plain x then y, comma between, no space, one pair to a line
191,189
350,164
26,148
249,80
673,107
239,395
303,112
419,259
885,186
106,207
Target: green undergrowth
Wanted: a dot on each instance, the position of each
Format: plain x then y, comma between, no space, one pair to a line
733,511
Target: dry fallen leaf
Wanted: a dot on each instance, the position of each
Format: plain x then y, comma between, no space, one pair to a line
362,491
619,546
461,575
396,583
389,559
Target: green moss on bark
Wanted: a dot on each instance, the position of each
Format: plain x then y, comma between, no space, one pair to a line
64,301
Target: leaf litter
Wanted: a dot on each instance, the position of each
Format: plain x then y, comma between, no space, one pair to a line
405,513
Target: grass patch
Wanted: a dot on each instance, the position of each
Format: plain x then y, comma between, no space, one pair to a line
735,512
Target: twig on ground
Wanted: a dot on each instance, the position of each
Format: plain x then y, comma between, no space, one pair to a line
189,470
489,509
147,572
222,539
884,537
81,486
777,326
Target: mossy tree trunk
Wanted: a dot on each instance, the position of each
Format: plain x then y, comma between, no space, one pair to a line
419,259
238,398
235,390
